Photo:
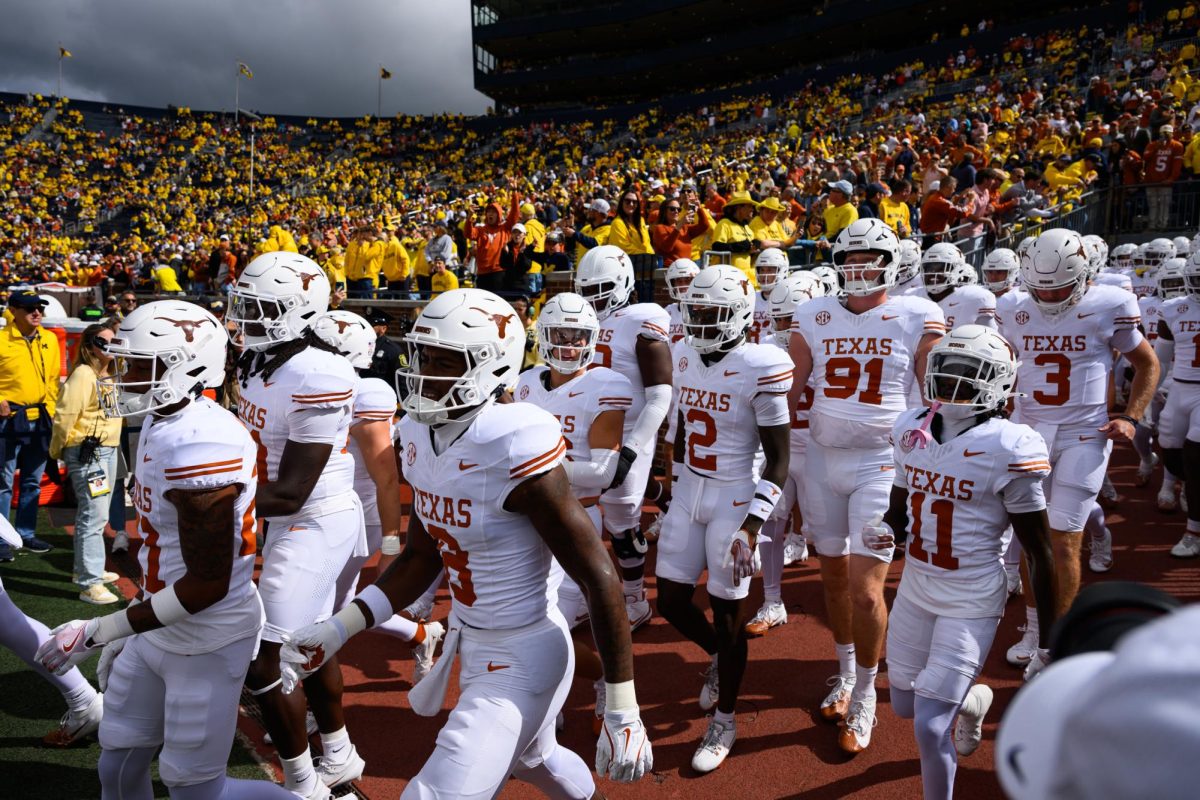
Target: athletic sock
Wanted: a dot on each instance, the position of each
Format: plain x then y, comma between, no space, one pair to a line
79,698
400,627
846,663
864,684
298,774
723,717
633,588
1031,619
335,747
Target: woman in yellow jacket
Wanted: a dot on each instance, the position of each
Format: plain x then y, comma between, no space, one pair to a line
629,230
735,236
87,441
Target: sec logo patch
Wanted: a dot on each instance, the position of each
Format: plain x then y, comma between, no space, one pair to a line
683,364
410,454
524,393
1022,317
823,318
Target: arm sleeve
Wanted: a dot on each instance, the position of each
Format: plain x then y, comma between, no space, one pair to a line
594,474
645,429
538,447
770,409
374,400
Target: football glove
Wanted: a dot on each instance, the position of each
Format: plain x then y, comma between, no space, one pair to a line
624,462
305,651
743,558
623,751
107,657
68,646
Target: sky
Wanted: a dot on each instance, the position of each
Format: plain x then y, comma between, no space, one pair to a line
309,57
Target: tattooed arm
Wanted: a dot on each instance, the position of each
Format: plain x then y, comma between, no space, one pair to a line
207,539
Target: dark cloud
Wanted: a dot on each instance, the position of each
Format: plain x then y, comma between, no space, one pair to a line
317,57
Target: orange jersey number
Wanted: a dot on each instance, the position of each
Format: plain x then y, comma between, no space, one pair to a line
457,561
943,513
1059,378
843,374
704,435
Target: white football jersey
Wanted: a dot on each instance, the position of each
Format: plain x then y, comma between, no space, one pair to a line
616,347
1065,361
762,330
1118,279
1143,285
958,522
966,305
720,428
576,404
1151,308
863,371
374,400
1181,316
911,286
202,446
675,329
800,434
497,565
1006,305
312,383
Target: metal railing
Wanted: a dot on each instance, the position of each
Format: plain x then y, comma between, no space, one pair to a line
1146,207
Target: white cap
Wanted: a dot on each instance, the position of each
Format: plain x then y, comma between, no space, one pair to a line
1110,725
518,228
599,205
656,184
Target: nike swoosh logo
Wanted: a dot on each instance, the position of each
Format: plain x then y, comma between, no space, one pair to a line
627,735
886,317
574,394
737,504
494,667
730,373
78,635
1089,314
266,385
970,454
1012,762
146,458
952,304
464,466
1086,438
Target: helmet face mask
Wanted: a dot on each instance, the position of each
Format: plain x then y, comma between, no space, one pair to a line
1172,279
1055,271
785,298
567,332
939,267
717,309
276,299
1000,270
972,369
770,267
604,277
867,256
910,261
679,277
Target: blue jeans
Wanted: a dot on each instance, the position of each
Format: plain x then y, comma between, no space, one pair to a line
90,512
361,287
27,454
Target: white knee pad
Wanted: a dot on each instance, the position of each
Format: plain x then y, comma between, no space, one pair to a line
1069,507
125,772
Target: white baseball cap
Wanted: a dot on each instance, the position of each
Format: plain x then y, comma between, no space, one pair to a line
1110,725
600,206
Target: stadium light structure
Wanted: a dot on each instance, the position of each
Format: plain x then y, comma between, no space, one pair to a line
255,118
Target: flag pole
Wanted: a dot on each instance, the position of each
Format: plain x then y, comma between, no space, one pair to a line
60,60
237,87
378,91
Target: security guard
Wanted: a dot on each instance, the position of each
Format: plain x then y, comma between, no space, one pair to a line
389,355
29,371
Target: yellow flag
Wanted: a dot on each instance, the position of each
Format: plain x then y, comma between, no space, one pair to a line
384,74
63,52
245,70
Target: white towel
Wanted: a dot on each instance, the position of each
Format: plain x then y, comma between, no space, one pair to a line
426,697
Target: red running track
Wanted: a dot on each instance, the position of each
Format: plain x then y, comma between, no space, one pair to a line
783,749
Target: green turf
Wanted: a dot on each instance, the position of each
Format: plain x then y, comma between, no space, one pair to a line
41,586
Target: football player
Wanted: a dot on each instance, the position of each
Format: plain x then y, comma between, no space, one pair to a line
963,474
907,278
1064,333
633,341
678,277
297,401
1171,284
862,355
948,280
1178,348
174,661
770,267
731,459
491,494
590,405
778,545
376,477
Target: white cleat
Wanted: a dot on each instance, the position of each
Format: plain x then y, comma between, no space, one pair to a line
1167,501
1012,574
1022,652
711,688
795,549
1187,547
770,615
76,725
319,792
968,730
1145,470
856,730
310,727
120,542
423,652
837,702
638,610
1101,559
716,744
345,770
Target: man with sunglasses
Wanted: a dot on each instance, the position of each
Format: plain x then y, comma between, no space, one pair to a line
29,368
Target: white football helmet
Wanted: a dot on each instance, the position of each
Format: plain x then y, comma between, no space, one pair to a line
790,293
717,308
1097,254
1183,246
1022,248
605,278
276,298
350,334
971,366
1121,256
769,268
1194,247
1157,251
940,267
1000,270
1171,279
679,275
567,330
1191,274
165,351
910,261
867,236
488,334
1057,261
829,280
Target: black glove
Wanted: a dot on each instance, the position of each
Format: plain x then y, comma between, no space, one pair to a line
624,462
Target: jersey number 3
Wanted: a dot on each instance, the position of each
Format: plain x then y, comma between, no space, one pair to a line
456,559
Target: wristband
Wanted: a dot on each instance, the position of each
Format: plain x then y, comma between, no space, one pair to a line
619,697
766,496
1127,418
111,627
377,602
390,546
167,608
